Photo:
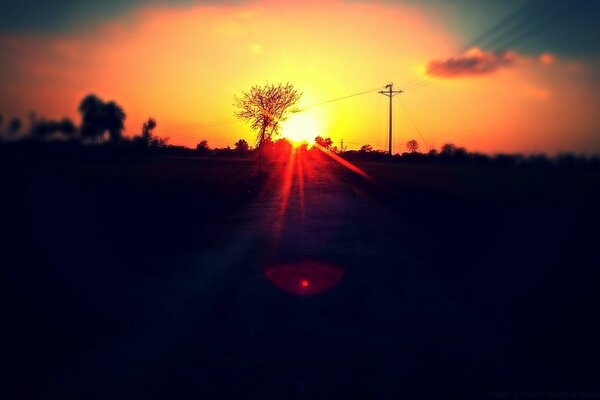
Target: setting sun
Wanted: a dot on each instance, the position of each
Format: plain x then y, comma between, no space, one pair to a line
300,128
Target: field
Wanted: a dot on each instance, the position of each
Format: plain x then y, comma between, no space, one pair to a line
148,277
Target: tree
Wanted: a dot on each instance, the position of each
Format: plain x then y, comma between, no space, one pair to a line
366,148
159,142
91,117
14,126
241,146
113,120
412,146
324,142
202,147
146,139
147,129
448,149
265,107
98,117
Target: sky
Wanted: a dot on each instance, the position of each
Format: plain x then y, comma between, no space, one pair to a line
495,77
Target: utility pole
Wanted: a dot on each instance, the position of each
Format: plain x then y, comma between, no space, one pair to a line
390,93
342,149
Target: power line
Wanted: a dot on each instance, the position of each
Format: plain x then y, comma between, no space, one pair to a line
200,125
337,99
414,124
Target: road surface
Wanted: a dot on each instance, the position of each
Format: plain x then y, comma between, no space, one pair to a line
319,292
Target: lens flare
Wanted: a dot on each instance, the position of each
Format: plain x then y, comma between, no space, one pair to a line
304,278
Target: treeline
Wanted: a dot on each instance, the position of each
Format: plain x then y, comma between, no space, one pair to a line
103,123
100,132
452,154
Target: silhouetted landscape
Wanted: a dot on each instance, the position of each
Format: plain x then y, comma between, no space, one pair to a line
300,200
480,270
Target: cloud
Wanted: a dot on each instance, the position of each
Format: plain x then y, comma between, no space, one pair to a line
473,63
476,62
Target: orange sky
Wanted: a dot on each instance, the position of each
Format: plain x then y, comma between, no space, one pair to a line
183,66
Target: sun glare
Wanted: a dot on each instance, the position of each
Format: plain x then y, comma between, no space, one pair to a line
300,128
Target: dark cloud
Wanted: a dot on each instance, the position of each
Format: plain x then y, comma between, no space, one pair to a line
47,16
473,62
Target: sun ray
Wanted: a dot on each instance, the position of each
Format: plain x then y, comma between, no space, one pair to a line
284,193
344,163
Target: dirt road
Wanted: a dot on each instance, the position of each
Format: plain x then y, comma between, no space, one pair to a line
319,292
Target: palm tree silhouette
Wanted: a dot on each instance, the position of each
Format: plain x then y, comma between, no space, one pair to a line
91,115
99,117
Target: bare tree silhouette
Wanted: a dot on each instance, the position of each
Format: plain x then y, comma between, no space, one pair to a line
265,107
412,146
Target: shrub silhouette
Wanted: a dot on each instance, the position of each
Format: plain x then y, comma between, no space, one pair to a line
144,140
241,146
448,149
67,128
366,148
202,147
14,126
324,142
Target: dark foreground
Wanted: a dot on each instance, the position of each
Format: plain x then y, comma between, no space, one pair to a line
191,278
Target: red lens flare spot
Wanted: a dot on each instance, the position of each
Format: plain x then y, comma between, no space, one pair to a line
305,277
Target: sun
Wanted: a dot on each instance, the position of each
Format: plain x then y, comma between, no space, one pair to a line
300,128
